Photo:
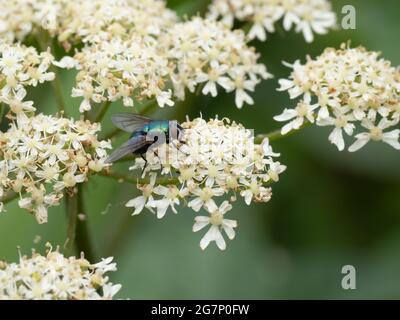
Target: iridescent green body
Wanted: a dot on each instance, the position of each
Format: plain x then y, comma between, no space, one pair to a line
144,133
154,127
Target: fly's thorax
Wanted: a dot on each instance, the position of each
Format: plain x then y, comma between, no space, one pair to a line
163,130
157,130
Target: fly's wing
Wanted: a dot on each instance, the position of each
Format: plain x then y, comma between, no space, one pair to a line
129,122
128,147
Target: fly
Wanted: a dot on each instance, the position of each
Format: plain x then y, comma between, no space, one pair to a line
144,133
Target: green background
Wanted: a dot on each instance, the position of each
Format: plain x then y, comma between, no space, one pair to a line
330,209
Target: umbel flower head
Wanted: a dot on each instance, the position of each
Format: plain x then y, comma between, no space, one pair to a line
217,159
194,54
56,277
43,155
21,67
307,16
350,89
88,21
119,69
206,53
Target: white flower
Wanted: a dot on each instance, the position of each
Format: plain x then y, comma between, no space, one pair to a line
86,21
315,20
354,88
17,103
120,68
304,110
253,190
66,63
11,61
139,202
241,96
376,134
164,98
106,265
204,196
341,122
275,169
55,277
170,198
213,159
205,52
218,223
86,91
215,75
46,150
308,16
20,67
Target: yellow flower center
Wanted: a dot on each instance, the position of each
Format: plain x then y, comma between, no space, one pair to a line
341,122
302,109
376,134
206,194
216,218
273,175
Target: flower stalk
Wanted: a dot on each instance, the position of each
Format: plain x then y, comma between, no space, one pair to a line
71,206
135,180
9,197
103,110
83,239
77,231
44,45
277,134
2,111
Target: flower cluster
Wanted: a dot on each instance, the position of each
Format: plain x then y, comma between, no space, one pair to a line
16,18
308,16
191,54
95,21
21,67
83,20
55,277
119,69
205,52
346,89
41,156
215,159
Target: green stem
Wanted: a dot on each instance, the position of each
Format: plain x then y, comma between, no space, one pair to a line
44,44
83,239
2,111
71,205
135,180
277,135
56,83
9,197
246,27
77,231
102,112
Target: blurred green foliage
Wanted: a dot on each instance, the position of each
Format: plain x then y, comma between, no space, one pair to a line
329,209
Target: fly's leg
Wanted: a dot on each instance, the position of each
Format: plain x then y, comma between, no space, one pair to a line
145,163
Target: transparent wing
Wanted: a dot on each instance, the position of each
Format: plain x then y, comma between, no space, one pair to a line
129,122
128,147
